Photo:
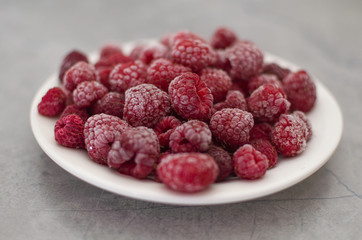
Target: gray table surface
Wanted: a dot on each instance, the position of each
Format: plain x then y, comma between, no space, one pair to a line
39,200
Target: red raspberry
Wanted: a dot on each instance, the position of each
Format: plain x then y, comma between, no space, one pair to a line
267,103
262,79
86,93
103,74
191,136
300,90
308,124
223,161
110,49
217,80
127,75
162,71
112,60
221,60
182,35
265,147
289,135
231,126
135,152
275,69
74,109
234,99
246,60
80,72
145,105
100,131
190,97
69,60
188,172
112,104
52,103
223,37
193,53
164,128
147,53
68,131
249,163
261,130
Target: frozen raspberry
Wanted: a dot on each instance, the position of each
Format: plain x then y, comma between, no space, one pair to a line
191,136
86,93
68,131
223,161
231,126
52,103
289,135
181,35
145,105
265,147
109,61
135,152
190,97
267,103
110,49
188,172
261,130
249,163
74,109
100,131
103,74
300,90
127,75
147,53
221,60
69,60
218,81
308,124
234,99
162,71
80,72
246,60
222,38
164,128
275,69
112,104
193,53
262,79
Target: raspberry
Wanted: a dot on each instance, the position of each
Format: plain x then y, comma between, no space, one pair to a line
80,72
217,80
191,136
249,163
110,49
68,131
188,172
164,128
145,105
246,60
221,61
112,104
162,71
265,147
190,97
304,118
231,126
262,79
52,103
103,74
182,35
261,130
73,109
112,60
223,161
148,53
193,53
234,99
86,93
300,90
275,69
69,60
222,38
100,131
127,75
138,148
289,135
267,103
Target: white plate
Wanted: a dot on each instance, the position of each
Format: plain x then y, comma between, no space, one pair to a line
326,119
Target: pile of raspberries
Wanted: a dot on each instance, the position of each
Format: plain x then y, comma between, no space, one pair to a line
183,111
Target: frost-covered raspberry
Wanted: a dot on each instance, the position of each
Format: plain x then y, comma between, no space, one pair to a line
190,97
249,163
265,147
53,102
261,130
135,152
109,49
80,72
275,69
171,38
191,136
74,109
234,99
164,128
69,60
193,53
111,103
231,126
100,131
267,103
223,161
257,81
308,124
188,172
86,93
300,90
162,71
127,75
221,60
149,52
289,135
217,80
223,37
68,131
